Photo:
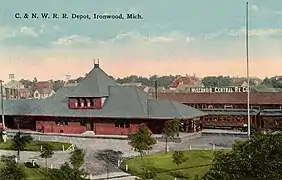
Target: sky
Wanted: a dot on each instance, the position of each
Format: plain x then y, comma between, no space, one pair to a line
173,37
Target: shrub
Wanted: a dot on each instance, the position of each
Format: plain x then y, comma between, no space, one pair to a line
178,174
30,165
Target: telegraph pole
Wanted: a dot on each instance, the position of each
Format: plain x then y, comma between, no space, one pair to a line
248,73
156,88
2,105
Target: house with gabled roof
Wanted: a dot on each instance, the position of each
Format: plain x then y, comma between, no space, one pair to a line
43,90
98,105
187,81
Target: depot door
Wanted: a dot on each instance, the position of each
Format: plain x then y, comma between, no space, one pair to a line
89,126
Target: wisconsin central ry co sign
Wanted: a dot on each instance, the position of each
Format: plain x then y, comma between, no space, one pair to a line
216,89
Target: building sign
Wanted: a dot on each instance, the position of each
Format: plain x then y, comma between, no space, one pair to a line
216,89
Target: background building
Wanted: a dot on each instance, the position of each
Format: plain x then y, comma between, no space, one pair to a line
15,89
43,90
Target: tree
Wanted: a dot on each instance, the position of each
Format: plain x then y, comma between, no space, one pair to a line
46,152
171,129
165,80
77,158
20,142
197,178
142,141
57,85
275,82
26,83
258,158
66,173
110,157
178,158
11,170
162,80
146,174
35,80
217,81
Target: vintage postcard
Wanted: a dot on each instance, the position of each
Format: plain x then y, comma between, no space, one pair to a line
122,89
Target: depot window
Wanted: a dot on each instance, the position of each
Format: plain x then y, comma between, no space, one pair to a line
228,106
120,123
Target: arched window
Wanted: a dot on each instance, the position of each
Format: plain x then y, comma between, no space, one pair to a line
82,102
88,101
91,102
78,102
75,103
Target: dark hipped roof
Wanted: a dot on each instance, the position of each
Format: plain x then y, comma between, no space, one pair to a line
120,102
95,84
123,102
167,108
21,106
256,98
63,93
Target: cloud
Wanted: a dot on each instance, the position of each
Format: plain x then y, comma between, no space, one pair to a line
257,32
73,40
254,8
57,28
278,12
5,32
213,35
29,31
260,32
126,36
174,36
46,28
190,39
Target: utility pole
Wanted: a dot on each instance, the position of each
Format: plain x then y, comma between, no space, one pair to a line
2,105
156,88
248,73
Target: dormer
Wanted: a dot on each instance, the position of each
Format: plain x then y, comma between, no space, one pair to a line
85,103
92,91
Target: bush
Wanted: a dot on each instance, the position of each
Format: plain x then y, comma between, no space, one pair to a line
30,165
178,174
28,138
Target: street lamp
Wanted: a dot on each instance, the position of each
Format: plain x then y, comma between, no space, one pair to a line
2,104
248,73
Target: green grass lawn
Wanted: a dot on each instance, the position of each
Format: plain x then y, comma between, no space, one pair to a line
35,145
31,173
34,173
163,163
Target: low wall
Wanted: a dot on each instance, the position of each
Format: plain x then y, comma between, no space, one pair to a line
208,132
182,136
11,133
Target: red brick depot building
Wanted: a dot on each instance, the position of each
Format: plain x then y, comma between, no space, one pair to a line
97,104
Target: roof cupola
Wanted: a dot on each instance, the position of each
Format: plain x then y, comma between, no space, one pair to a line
96,64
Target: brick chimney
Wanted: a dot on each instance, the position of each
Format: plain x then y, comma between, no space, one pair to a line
11,77
68,77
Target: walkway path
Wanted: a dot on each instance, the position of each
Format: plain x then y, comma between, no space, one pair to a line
56,161
114,176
